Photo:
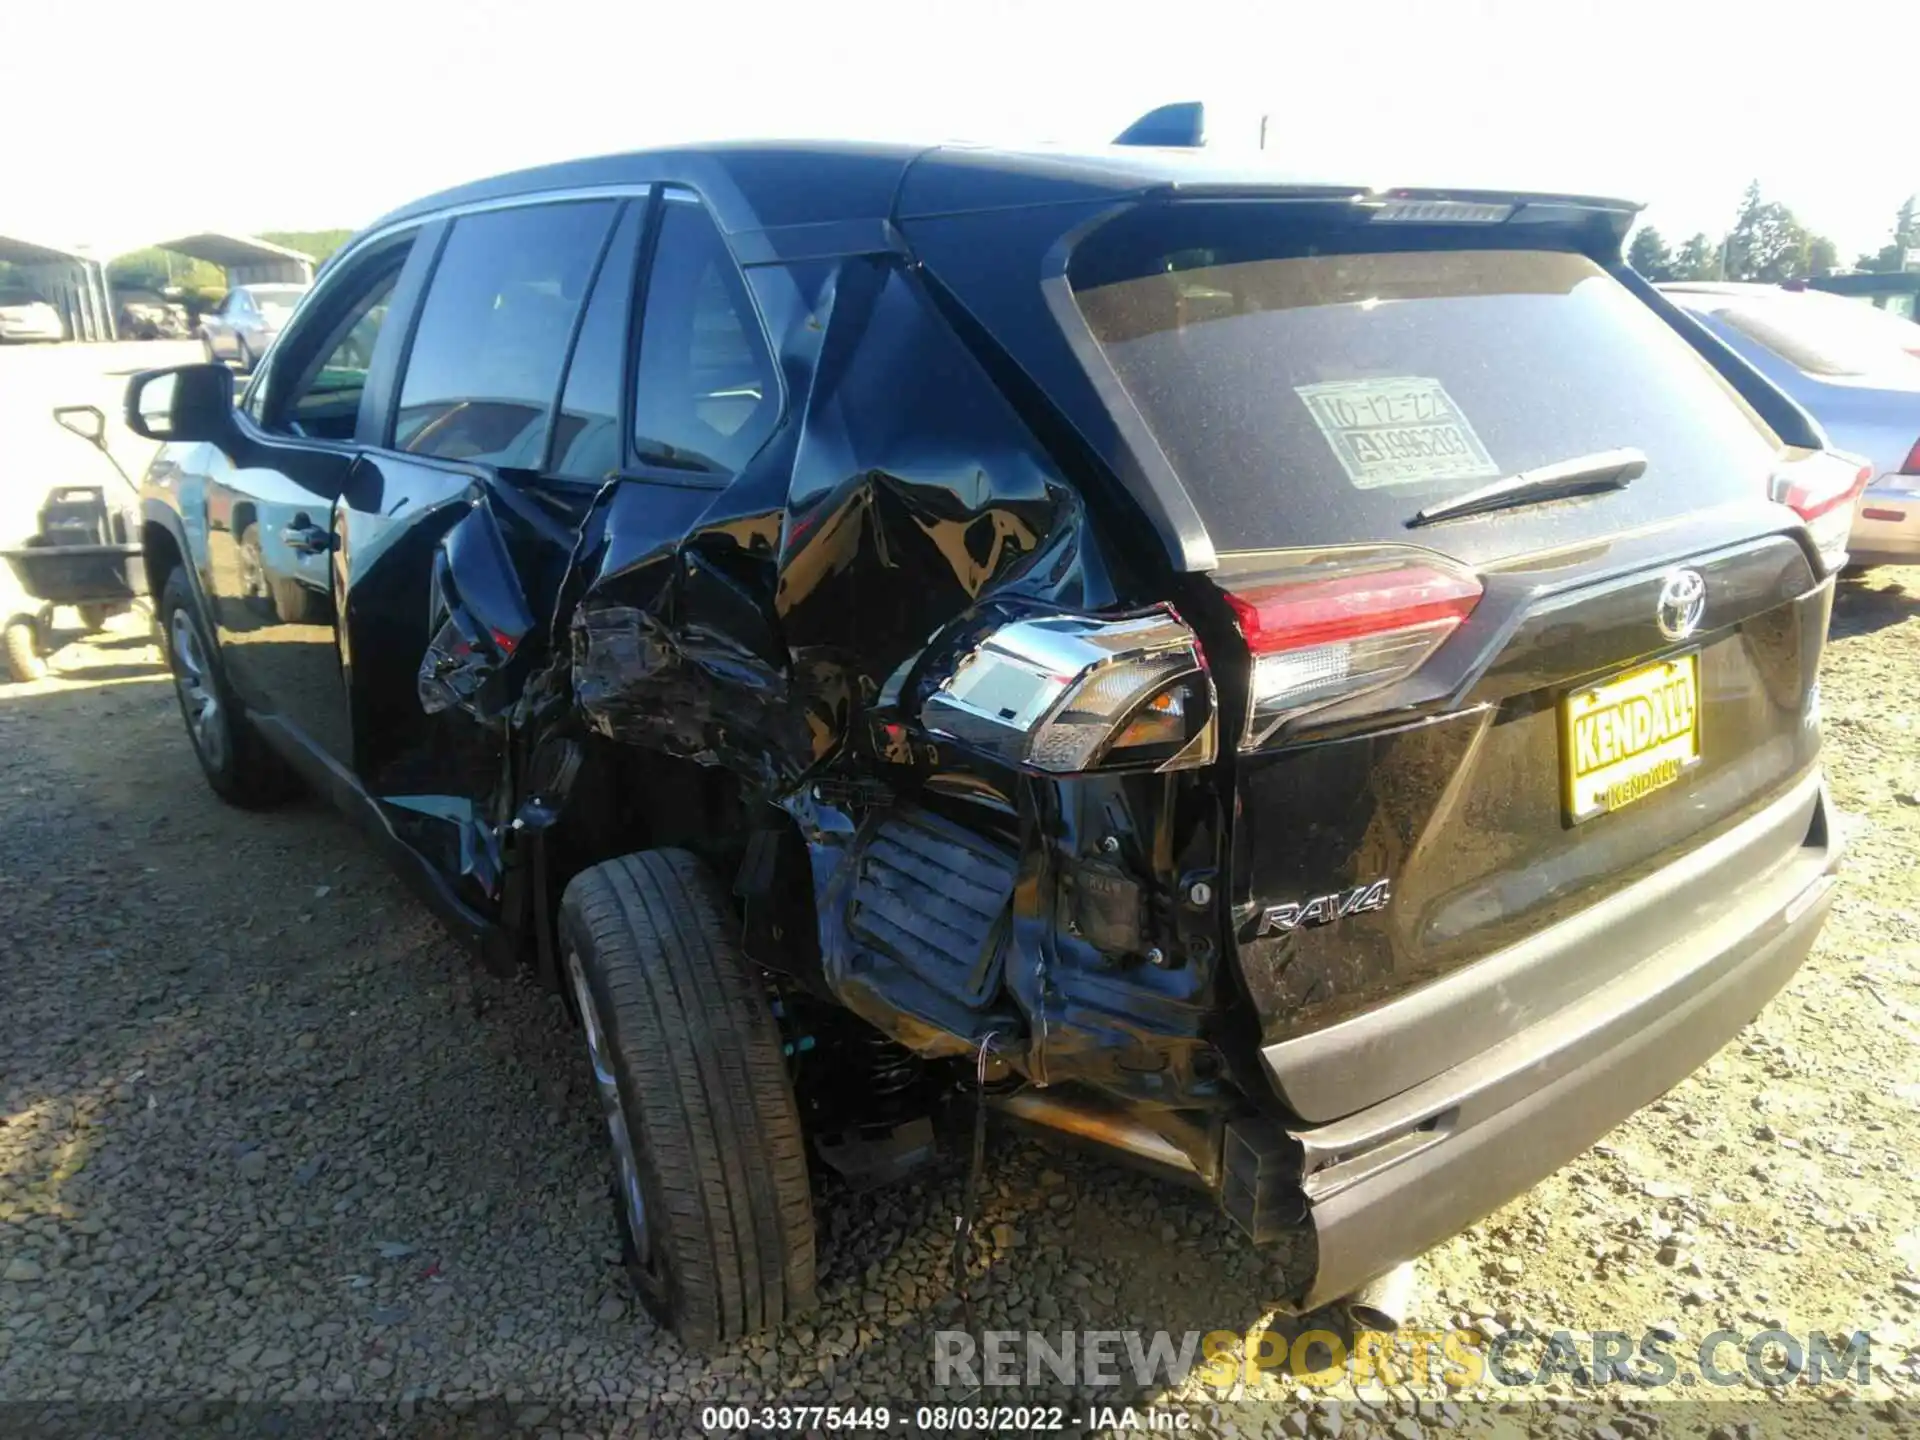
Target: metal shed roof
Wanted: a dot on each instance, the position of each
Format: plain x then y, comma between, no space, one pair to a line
17,251
228,251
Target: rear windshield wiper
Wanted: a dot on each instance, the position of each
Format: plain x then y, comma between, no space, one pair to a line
1583,475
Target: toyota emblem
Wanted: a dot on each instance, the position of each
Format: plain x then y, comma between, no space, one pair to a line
1683,600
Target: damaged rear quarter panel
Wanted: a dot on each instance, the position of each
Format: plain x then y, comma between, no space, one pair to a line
773,627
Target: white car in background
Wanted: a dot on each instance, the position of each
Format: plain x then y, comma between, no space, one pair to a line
25,315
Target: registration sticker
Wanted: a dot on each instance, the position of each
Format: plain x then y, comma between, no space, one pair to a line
1403,430
1631,736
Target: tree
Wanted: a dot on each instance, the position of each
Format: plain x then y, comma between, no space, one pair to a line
1699,259
154,269
1766,242
1769,244
1648,254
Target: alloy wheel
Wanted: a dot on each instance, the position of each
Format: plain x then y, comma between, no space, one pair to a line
199,697
626,1162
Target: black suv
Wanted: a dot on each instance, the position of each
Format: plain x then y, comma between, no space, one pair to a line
1306,685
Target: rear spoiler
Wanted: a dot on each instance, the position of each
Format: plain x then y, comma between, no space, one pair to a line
1182,125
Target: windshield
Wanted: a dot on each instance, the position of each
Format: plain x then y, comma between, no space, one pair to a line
1320,384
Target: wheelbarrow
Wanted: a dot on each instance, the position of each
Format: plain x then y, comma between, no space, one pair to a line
85,554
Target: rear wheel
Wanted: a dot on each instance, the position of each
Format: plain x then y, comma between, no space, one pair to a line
292,601
24,660
710,1172
238,764
94,617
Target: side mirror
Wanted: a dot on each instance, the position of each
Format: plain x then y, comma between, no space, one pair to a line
86,421
184,402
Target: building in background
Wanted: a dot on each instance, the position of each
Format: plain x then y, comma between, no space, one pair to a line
74,279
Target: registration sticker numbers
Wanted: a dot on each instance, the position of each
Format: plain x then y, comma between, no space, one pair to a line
1631,736
1401,430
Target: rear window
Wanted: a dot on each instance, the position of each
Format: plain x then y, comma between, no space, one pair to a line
277,304
1319,382
1827,337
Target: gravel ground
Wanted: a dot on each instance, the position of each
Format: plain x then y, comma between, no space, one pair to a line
264,1136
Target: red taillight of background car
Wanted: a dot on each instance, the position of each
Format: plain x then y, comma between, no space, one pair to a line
1317,637
1821,489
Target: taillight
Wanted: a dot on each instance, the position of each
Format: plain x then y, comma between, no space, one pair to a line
1822,489
1065,694
1326,628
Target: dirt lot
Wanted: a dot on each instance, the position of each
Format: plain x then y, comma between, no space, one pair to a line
262,1137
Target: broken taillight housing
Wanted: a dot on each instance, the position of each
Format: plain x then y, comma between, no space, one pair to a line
1066,694
1822,489
1330,626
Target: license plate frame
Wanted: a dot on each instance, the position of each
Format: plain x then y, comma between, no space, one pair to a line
1630,735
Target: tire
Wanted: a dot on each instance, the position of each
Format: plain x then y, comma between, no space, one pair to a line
291,601
236,761
689,1069
24,661
254,590
93,618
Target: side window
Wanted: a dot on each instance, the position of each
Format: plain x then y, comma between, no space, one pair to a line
493,333
704,394
586,434
324,361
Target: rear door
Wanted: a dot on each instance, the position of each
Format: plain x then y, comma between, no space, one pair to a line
1455,730
452,537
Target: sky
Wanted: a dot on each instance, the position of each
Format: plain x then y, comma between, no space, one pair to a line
329,112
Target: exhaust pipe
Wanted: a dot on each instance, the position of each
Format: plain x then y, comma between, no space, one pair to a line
1382,1304
1106,1126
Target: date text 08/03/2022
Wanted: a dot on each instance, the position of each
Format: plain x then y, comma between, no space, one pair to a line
936,1419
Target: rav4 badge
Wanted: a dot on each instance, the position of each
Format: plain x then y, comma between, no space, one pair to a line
1324,908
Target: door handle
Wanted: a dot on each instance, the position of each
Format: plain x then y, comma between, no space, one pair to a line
306,539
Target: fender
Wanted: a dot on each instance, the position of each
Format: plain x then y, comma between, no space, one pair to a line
158,514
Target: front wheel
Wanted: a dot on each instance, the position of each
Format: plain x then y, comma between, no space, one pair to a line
236,761
709,1163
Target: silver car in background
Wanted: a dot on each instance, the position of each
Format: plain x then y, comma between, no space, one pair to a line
247,322
1855,370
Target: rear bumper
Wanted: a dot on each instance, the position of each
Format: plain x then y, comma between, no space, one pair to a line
1393,1180
1886,529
